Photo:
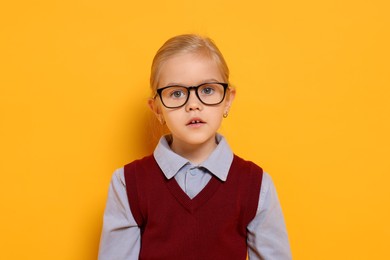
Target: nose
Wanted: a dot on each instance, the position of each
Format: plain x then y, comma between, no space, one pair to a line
193,102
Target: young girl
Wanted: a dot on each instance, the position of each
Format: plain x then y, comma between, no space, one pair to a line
193,198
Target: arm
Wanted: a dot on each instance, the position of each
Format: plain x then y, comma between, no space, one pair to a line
267,235
120,237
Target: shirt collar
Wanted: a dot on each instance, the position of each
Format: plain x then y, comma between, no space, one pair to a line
218,163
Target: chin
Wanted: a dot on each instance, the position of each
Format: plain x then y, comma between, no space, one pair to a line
200,141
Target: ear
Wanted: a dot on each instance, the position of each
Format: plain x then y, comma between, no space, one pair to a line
229,99
155,107
152,103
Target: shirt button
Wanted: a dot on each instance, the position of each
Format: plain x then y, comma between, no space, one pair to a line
192,172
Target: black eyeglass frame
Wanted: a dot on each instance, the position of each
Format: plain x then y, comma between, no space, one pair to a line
224,85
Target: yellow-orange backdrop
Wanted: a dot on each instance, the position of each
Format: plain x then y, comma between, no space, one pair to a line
312,108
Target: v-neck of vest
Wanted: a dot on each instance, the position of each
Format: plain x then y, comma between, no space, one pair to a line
191,205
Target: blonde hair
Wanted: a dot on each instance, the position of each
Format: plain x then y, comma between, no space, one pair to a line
186,43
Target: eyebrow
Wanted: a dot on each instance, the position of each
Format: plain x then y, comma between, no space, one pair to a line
201,82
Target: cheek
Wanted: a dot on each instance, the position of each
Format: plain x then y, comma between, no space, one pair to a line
172,118
217,114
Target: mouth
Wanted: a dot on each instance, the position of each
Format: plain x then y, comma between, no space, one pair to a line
195,121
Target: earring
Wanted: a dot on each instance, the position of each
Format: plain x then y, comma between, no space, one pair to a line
225,115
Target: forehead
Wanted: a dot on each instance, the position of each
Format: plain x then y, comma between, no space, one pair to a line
189,69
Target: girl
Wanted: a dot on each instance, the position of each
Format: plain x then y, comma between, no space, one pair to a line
193,198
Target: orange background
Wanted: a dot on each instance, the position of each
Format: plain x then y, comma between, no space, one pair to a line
312,108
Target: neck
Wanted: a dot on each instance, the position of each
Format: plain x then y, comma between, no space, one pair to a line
195,153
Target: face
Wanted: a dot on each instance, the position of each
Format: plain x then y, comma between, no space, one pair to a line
193,124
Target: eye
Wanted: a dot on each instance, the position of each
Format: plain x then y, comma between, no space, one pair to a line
208,90
176,93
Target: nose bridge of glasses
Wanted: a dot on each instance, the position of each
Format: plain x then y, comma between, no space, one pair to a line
195,89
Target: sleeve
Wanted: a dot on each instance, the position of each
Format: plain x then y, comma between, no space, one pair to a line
267,234
120,238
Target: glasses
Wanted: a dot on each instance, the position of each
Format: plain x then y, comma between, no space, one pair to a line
176,96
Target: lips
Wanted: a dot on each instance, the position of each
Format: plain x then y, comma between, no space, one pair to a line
195,121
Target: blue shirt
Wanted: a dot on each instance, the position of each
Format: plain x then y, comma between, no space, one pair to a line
121,238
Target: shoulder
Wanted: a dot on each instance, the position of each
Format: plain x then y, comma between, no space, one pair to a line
247,173
247,166
266,183
118,177
139,165
145,160
141,172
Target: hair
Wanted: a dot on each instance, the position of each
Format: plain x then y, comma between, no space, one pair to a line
186,43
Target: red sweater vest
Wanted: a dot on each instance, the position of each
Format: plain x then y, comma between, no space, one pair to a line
210,226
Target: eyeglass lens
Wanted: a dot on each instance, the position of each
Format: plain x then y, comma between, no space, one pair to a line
209,94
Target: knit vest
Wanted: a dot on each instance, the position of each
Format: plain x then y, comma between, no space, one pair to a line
212,225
